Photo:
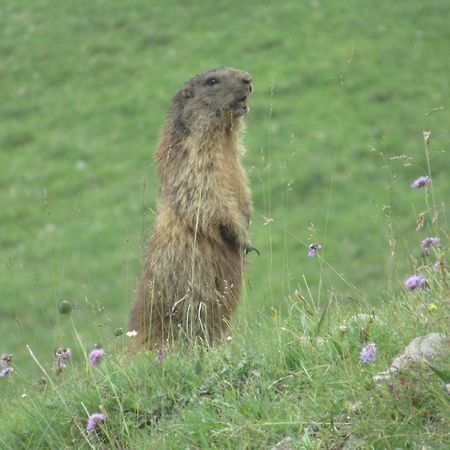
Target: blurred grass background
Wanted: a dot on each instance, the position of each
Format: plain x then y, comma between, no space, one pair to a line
343,91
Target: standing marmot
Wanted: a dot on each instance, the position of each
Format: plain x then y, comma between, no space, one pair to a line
193,265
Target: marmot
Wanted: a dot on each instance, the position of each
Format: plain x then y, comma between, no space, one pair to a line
193,265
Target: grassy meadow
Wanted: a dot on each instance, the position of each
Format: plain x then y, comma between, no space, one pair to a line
343,93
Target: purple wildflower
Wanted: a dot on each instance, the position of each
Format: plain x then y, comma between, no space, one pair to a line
428,242
96,356
160,355
415,281
61,355
93,420
313,249
6,371
421,181
368,353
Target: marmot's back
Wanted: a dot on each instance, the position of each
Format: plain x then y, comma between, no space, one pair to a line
194,261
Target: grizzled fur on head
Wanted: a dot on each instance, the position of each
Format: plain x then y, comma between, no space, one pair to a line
211,99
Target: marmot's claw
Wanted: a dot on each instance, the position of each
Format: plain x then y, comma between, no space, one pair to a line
249,248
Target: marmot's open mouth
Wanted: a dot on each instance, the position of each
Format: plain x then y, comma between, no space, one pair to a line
241,107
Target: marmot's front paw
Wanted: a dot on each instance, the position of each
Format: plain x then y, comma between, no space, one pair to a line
229,235
249,248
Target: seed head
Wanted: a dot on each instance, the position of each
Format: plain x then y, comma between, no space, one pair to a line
5,360
65,306
61,355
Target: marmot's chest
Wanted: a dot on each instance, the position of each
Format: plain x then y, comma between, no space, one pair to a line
223,172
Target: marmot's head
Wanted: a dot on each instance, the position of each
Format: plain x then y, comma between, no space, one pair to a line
216,96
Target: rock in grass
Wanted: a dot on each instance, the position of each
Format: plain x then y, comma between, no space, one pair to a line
65,307
353,443
285,444
429,347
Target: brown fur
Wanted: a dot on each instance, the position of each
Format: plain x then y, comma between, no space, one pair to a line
193,265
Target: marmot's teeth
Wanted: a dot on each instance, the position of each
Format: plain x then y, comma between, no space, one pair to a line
243,103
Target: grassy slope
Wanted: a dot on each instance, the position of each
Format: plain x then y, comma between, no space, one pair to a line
340,89
297,376
87,83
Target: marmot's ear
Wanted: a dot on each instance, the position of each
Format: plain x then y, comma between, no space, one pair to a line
187,92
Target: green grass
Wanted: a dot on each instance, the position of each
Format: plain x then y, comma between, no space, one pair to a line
343,91
297,376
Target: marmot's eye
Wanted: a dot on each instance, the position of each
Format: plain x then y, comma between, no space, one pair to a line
212,81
